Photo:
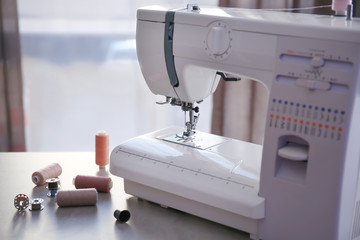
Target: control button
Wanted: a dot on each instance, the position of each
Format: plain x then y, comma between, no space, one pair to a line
312,84
317,62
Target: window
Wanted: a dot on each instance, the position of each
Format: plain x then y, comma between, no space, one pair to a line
81,75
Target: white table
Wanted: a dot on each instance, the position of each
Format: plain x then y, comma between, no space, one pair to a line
148,220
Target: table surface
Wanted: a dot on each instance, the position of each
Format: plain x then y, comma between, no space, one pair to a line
148,220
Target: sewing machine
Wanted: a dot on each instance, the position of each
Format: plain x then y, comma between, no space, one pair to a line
303,183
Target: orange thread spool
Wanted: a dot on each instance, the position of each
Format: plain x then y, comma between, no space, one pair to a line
102,149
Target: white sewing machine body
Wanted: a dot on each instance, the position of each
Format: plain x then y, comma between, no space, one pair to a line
303,182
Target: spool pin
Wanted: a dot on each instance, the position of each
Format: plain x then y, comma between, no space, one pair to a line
79,197
101,184
51,171
102,149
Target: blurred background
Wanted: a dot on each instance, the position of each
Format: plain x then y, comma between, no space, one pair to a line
80,75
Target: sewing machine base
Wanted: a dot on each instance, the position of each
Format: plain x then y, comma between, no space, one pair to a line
209,176
166,199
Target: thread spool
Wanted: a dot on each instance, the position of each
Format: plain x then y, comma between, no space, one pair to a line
102,149
122,216
21,202
53,186
79,197
51,171
36,204
340,6
101,184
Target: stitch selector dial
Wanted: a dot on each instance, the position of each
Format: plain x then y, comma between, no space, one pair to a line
218,41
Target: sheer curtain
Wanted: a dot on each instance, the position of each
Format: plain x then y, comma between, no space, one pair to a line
12,136
239,108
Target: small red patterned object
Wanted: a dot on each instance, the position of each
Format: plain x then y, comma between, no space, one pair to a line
21,202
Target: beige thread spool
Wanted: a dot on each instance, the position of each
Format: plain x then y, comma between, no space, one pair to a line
51,171
79,197
102,149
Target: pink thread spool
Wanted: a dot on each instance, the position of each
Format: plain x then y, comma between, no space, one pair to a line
79,197
51,171
340,6
102,149
101,184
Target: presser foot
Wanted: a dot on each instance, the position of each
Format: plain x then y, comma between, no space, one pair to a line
185,137
199,140
191,115
193,119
